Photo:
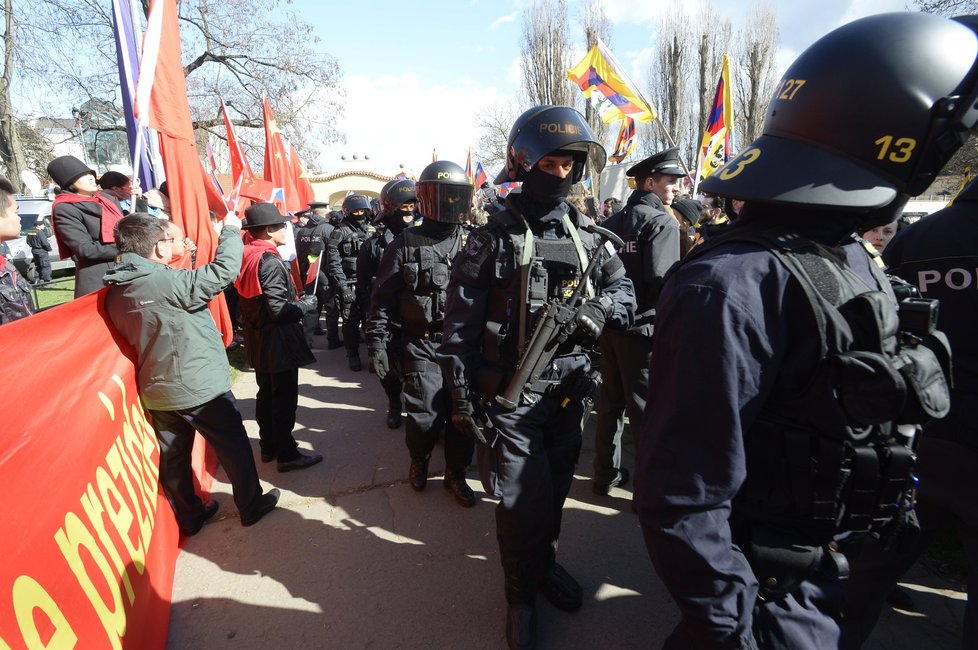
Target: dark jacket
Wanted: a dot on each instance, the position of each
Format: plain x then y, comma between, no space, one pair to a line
272,321
15,295
162,312
79,228
651,249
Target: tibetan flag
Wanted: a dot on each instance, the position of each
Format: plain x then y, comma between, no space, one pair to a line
312,274
239,161
125,39
302,185
604,81
212,173
277,170
964,184
715,148
468,165
480,176
625,144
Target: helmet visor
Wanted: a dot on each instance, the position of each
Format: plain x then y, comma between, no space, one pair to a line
444,202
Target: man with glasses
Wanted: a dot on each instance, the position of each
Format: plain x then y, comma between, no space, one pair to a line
162,313
271,315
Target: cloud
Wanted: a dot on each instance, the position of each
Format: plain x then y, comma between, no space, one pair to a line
502,20
398,119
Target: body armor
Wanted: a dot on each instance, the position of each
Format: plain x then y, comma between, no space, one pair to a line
425,271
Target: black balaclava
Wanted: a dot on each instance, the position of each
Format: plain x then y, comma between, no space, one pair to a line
545,190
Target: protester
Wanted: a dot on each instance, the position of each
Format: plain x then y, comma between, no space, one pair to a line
84,220
182,369
528,456
122,189
271,314
15,292
762,458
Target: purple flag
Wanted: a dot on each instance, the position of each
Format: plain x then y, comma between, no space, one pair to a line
125,44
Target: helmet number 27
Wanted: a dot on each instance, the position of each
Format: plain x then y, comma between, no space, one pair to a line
898,151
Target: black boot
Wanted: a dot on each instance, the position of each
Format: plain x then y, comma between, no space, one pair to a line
353,359
455,484
418,473
521,626
394,418
561,589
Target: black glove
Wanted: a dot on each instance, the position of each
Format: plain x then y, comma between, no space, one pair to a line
591,317
382,364
308,304
463,415
348,296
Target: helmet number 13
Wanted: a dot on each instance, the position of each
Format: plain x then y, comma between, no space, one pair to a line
898,150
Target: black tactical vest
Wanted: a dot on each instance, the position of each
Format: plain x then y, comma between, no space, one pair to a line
425,270
837,457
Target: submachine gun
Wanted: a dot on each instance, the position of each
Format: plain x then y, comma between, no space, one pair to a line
556,323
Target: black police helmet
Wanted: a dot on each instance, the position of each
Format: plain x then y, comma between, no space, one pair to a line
354,202
444,192
397,193
870,112
544,129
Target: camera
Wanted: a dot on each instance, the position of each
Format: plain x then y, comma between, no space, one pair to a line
918,316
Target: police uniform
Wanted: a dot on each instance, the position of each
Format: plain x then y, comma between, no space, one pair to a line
651,249
368,268
342,248
939,255
37,239
310,241
792,436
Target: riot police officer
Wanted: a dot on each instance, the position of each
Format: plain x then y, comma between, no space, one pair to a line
410,293
397,207
792,433
341,257
651,249
531,254
310,242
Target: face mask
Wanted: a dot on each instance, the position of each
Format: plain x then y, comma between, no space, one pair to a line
546,189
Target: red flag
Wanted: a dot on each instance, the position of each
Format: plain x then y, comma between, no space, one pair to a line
215,200
314,264
302,184
277,169
239,162
257,189
468,166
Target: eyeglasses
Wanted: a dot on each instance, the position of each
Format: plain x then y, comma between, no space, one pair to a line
168,239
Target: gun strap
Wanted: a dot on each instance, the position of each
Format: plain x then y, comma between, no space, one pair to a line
581,253
525,260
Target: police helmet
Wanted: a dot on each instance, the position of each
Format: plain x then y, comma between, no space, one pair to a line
543,130
354,202
397,193
870,112
375,206
444,192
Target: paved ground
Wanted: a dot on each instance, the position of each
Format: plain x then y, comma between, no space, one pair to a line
354,558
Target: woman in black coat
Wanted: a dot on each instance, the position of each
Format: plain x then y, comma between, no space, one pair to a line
83,220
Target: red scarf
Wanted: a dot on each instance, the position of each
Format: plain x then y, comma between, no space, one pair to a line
110,213
247,283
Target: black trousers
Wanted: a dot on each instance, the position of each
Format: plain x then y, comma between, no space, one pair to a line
428,405
219,422
624,387
275,406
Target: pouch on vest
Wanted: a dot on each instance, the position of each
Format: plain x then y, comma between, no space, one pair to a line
926,369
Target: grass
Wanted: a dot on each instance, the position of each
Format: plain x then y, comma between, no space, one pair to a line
61,290
236,360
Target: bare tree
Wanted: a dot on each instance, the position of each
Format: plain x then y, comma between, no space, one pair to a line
947,7
669,81
67,56
495,123
11,151
596,26
714,41
755,52
546,53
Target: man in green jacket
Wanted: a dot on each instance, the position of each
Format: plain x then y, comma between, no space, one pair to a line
182,368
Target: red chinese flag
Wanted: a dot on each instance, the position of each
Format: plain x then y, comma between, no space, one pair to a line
239,162
215,200
302,184
277,170
170,115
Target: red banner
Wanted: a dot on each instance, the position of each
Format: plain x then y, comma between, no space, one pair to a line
89,543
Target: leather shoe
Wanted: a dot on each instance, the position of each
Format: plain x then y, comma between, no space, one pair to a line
521,627
262,506
394,418
418,474
561,589
267,458
619,481
335,344
301,461
455,484
209,511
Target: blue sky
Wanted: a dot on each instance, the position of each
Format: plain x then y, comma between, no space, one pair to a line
418,74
